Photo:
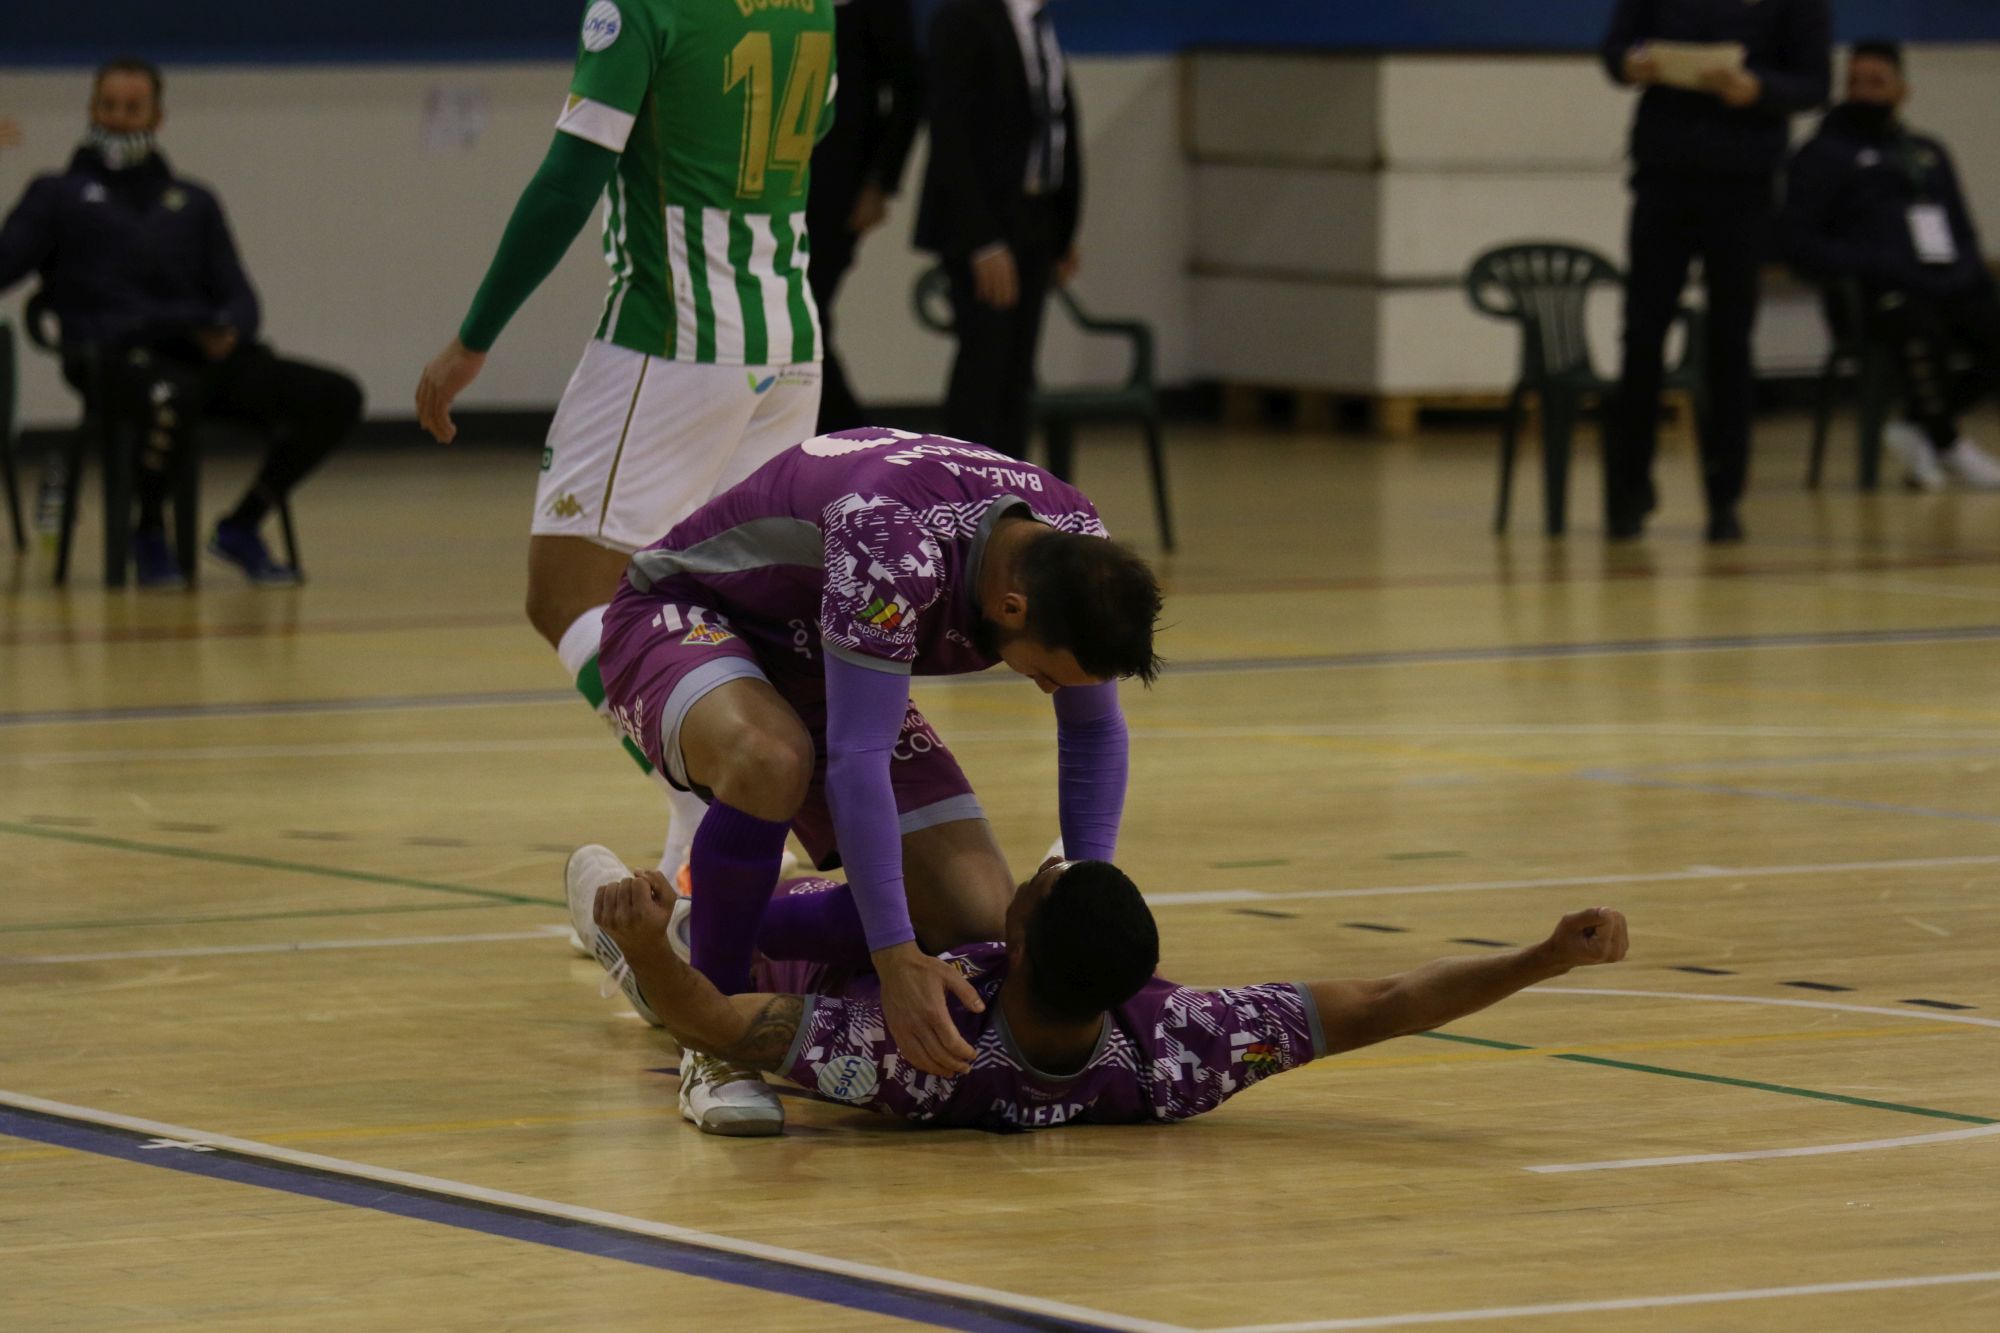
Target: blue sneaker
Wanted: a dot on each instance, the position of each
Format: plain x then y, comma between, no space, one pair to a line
240,545
153,563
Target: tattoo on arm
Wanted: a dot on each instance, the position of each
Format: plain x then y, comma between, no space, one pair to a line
770,1034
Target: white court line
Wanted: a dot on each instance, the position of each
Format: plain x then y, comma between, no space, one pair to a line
1624,1303
301,946
551,1208
1822,1150
1775,1002
1570,881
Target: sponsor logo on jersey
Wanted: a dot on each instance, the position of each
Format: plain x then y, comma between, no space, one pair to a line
885,615
848,1078
548,457
749,7
564,506
709,635
1261,1058
601,25
175,199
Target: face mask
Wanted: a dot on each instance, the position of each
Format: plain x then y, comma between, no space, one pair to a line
120,151
1871,117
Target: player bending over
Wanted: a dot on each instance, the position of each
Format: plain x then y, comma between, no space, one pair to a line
1076,1027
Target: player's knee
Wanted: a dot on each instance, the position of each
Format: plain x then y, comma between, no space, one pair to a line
766,772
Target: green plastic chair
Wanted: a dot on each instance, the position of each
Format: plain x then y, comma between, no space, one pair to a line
1059,411
1544,286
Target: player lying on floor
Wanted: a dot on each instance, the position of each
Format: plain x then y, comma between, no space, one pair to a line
1076,1028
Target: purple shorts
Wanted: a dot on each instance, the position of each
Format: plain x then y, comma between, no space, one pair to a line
659,658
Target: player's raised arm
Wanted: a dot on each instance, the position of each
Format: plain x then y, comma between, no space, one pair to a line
1360,1013
749,1030
614,71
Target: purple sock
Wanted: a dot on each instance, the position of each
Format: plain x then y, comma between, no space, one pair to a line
734,864
813,921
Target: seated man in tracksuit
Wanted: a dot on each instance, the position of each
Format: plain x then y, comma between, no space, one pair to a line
138,263
1872,201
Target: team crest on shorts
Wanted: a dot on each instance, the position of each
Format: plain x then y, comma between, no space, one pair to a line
707,635
1261,1058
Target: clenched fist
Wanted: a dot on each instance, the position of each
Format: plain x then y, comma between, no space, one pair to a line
1583,939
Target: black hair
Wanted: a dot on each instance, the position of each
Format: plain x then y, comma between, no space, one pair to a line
1881,48
1094,598
131,65
1091,943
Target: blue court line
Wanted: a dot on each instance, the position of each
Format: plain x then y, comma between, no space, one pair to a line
1533,652
1622,779
598,1240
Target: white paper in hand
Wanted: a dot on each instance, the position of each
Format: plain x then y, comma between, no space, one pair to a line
1686,64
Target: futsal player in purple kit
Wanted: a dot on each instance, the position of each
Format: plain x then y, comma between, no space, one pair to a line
761,655
1075,1027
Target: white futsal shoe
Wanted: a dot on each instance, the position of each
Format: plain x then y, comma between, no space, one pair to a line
1912,450
720,1098
1971,466
590,868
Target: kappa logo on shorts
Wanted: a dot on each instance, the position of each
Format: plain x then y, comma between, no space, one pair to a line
565,506
709,635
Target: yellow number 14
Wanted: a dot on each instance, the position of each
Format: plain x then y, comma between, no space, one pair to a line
790,147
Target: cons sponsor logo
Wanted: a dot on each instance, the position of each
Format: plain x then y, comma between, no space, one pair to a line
848,1078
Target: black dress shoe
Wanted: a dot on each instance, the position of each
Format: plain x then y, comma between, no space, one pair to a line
1724,527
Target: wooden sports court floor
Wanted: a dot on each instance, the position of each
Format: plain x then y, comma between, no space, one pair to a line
288,1038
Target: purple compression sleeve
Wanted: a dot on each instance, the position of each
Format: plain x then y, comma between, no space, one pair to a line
864,716
813,921
1091,764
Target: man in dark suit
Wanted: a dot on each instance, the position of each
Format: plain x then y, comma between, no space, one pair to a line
858,166
1704,170
1002,195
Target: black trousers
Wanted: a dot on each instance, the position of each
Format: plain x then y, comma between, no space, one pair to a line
993,375
1927,329
167,389
1726,221
832,255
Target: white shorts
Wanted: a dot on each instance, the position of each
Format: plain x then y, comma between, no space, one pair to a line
639,442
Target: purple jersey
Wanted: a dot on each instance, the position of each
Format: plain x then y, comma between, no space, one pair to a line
1168,1053
866,542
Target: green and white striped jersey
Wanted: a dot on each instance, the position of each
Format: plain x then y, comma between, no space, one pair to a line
713,107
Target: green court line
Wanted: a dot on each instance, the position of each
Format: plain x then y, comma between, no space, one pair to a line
27,927
1662,1070
268,863
1780,1087
1426,856
1244,865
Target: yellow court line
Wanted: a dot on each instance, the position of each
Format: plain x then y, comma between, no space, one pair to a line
1659,1044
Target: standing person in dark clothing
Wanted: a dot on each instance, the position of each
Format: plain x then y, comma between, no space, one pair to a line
858,166
138,263
1002,196
1872,201
1704,163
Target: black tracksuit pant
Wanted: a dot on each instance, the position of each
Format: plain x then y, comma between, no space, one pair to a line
1925,329
1726,220
165,390
993,376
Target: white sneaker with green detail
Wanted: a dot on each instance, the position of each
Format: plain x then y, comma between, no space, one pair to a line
590,868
